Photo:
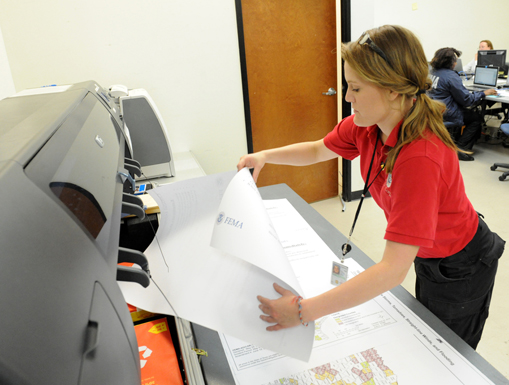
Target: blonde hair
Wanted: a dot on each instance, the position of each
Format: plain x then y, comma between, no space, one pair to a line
488,43
404,72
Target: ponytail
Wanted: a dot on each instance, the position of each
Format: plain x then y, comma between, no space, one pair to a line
425,114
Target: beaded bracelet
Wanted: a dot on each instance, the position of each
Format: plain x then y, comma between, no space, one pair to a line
299,298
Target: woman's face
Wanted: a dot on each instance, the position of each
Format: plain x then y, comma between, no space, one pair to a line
370,103
483,46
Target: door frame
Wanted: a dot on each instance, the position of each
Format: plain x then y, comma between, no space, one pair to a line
243,70
343,107
346,35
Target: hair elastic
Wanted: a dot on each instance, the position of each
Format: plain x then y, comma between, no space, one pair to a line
420,92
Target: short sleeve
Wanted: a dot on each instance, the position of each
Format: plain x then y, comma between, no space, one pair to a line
343,139
415,191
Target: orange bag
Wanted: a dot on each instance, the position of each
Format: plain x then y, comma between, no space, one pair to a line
158,360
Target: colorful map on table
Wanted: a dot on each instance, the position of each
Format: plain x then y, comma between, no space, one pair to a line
366,368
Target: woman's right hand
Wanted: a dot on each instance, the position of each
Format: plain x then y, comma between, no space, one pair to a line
255,161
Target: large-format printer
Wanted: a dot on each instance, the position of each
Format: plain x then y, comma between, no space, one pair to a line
66,178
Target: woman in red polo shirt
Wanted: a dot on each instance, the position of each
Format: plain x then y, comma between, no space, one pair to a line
430,220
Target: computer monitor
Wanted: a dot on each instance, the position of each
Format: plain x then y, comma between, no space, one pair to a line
459,66
493,57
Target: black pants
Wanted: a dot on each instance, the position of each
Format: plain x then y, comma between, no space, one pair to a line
457,289
472,131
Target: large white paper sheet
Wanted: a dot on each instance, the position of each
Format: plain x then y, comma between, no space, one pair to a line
214,288
244,229
380,342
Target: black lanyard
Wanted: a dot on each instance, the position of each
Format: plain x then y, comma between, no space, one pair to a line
347,247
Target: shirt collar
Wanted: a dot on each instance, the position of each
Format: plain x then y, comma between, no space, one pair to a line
393,137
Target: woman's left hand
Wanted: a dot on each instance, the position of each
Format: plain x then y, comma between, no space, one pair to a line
283,312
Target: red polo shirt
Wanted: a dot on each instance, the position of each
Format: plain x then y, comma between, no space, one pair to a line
423,198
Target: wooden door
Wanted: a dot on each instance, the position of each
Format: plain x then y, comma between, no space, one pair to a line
290,48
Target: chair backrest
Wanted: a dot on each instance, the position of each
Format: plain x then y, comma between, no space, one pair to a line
505,128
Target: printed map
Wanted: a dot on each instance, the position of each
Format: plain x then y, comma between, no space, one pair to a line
364,368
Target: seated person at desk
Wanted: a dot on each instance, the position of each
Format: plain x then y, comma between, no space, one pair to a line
431,222
448,88
484,45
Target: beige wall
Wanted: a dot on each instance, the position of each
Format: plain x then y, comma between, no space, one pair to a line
184,53
439,23
6,82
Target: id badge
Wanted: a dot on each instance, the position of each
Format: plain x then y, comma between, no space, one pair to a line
339,273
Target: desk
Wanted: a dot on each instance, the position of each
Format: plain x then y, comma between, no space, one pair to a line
504,100
215,367
500,82
499,99
470,82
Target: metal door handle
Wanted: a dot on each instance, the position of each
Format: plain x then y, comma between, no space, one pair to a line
330,92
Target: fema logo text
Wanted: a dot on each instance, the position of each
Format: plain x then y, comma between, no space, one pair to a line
222,218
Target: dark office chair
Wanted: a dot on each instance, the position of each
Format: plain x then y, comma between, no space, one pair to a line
505,129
